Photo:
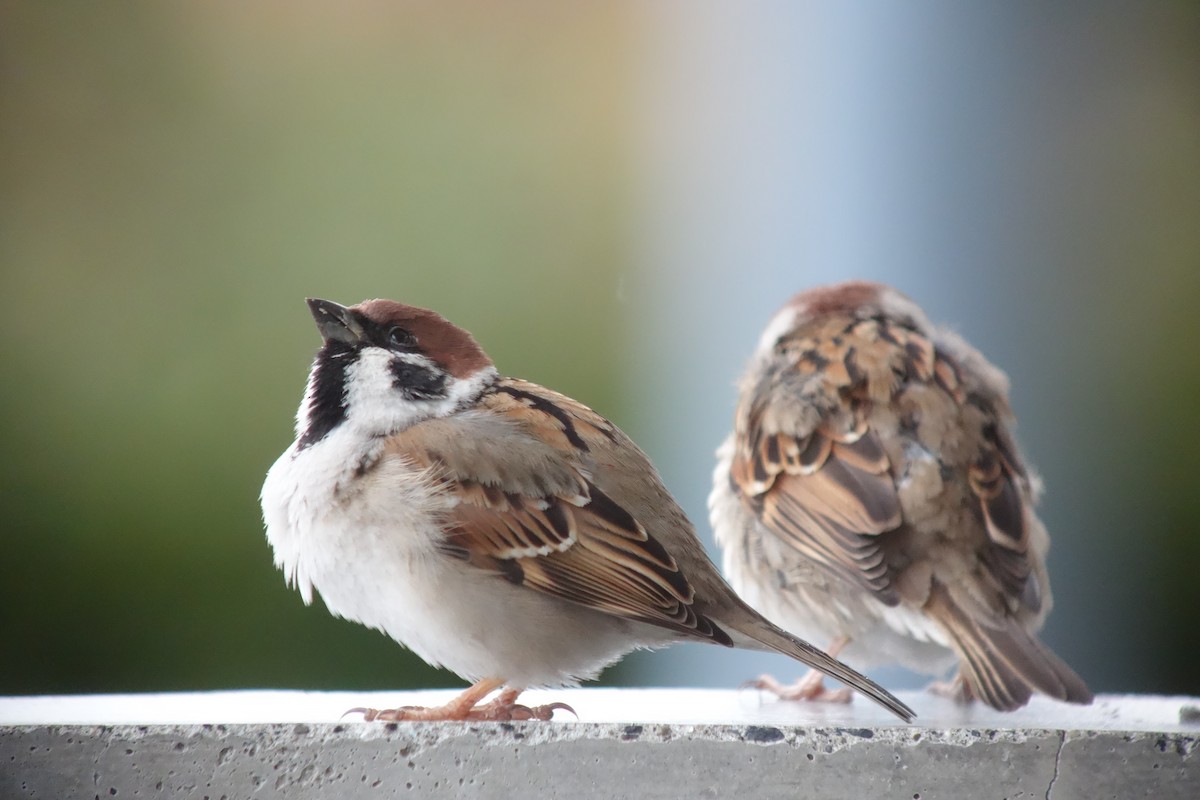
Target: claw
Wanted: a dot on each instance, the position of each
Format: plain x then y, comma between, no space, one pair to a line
381,714
546,712
368,713
811,687
466,707
515,712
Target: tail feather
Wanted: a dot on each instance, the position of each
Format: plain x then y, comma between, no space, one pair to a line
780,641
1003,665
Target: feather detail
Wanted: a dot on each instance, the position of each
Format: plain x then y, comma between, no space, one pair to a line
827,489
524,504
1002,663
993,478
877,450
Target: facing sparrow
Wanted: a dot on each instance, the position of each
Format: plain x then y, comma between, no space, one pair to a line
488,524
872,495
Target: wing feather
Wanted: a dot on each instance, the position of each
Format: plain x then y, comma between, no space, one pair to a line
827,495
814,472
558,532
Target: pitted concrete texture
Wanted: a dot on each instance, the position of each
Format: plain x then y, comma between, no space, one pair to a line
631,743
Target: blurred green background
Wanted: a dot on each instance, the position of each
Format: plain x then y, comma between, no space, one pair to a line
176,178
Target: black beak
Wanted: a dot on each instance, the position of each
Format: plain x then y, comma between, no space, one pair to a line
336,322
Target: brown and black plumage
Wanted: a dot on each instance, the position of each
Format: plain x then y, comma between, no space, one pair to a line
493,526
872,494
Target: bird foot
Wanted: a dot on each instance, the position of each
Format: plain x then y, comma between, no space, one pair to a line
811,687
955,689
491,711
504,712
503,709
410,713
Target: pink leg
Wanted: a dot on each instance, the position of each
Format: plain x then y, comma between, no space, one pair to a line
466,707
955,689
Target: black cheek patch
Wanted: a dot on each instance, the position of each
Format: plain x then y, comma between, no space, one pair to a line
417,382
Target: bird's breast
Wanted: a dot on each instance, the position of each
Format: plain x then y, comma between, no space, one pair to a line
339,506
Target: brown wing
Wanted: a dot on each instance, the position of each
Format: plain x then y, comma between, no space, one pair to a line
828,488
1001,662
526,507
809,465
995,477
998,480
828,496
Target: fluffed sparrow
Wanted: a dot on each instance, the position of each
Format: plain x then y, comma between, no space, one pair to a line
871,495
490,525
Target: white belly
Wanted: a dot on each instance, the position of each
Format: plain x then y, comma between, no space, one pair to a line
368,547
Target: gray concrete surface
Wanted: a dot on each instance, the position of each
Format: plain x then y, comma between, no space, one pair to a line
627,743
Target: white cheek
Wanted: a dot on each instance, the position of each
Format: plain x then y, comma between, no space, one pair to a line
781,323
375,406
465,390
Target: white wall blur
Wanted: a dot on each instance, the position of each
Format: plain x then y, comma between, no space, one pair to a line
1015,168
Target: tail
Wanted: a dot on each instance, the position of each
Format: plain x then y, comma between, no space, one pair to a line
1004,665
780,641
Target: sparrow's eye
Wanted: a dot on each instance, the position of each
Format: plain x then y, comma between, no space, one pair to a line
400,337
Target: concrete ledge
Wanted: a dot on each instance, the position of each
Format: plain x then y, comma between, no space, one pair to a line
628,743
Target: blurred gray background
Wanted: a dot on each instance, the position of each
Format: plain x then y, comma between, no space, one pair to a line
613,198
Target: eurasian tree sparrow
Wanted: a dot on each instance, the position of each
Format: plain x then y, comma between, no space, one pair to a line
872,495
488,524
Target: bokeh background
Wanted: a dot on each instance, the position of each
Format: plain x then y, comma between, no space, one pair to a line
613,197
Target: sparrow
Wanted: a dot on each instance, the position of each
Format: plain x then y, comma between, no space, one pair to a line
490,525
871,495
